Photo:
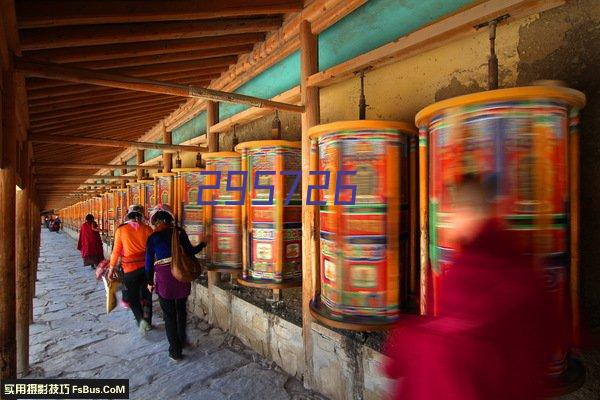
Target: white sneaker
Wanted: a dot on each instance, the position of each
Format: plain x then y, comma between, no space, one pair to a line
144,326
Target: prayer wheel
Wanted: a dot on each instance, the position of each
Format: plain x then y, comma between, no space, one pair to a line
365,264
121,206
191,214
135,194
526,139
112,213
272,230
222,219
148,196
164,190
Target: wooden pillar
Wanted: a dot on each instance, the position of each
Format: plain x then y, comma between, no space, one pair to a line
23,283
167,157
8,348
123,172
212,114
212,118
311,116
140,160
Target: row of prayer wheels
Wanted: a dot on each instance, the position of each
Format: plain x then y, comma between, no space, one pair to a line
384,243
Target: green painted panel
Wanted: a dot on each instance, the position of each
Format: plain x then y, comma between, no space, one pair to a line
131,161
191,129
275,80
376,23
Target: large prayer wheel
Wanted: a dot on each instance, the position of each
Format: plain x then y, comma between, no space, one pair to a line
191,214
527,140
121,206
366,276
165,189
272,243
135,194
148,194
223,219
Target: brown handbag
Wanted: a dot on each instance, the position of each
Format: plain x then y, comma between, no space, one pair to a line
183,267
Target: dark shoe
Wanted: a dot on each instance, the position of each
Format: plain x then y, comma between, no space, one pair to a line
176,358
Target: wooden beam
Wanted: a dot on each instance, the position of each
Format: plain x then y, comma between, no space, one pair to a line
102,115
437,34
141,49
52,13
121,124
212,118
140,160
55,71
165,70
167,158
291,96
165,58
41,113
56,164
309,64
73,36
59,139
111,97
22,224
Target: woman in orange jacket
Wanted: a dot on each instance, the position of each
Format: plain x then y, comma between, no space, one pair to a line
130,246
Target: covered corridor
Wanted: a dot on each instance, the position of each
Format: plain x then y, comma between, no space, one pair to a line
73,337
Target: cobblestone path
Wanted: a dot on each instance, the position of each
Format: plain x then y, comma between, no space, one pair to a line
73,337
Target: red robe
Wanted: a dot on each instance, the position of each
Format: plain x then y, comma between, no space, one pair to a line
89,242
493,336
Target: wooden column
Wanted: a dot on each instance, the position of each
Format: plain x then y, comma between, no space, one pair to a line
140,160
311,116
8,348
167,157
123,172
212,117
23,283
212,114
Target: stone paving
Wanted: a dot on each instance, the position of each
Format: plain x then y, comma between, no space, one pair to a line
73,337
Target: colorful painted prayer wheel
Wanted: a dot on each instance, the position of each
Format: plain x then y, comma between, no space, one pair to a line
121,206
165,189
223,220
148,195
272,231
526,139
364,259
191,214
111,215
135,194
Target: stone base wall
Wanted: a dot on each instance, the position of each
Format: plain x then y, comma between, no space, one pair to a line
342,368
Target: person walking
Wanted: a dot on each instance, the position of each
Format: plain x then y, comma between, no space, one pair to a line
89,243
172,294
130,246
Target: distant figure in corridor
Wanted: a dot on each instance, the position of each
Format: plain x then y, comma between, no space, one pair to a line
494,333
172,293
90,244
130,245
56,224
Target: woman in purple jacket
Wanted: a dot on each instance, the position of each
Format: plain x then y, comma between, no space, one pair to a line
172,294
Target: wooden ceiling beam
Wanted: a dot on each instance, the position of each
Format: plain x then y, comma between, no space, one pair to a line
78,75
73,36
133,126
89,122
73,92
59,177
52,13
148,71
92,166
165,58
141,49
60,139
101,94
104,103
91,117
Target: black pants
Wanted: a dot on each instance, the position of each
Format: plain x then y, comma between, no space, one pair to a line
138,296
175,315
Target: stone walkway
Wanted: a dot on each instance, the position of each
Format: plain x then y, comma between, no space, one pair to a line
73,337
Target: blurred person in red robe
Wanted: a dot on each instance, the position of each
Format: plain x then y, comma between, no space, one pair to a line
90,244
495,330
